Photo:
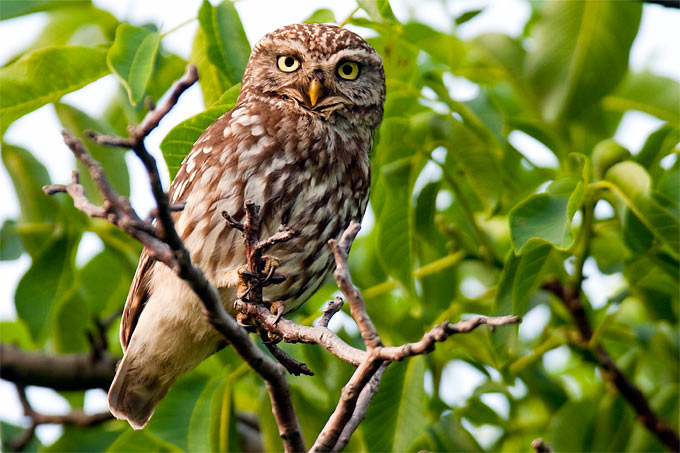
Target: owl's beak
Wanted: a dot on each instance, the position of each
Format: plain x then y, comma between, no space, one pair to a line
314,91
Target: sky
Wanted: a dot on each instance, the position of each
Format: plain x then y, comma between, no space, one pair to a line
655,49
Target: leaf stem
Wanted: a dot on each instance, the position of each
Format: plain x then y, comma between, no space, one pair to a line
177,27
587,233
346,21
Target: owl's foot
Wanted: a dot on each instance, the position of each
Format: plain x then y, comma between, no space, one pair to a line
277,308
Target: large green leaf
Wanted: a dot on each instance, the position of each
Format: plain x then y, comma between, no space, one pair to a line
213,82
10,242
76,439
179,141
648,93
520,277
132,57
46,75
72,322
38,211
320,16
632,184
140,441
580,52
171,419
50,275
546,216
396,417
111,159
226,42
104,282
378,10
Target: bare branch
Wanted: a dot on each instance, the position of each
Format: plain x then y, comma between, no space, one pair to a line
331,308
357,307
610,371
363,402
293,366
78,418
439,333
61,372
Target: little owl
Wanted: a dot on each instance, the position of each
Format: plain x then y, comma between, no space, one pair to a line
297,144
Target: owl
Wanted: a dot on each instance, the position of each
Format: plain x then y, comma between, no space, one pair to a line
297,144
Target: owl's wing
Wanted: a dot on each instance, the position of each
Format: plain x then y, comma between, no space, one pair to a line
182,184
136,299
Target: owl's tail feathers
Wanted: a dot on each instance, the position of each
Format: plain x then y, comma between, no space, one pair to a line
133,396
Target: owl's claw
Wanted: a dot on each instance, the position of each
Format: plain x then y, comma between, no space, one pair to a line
277,308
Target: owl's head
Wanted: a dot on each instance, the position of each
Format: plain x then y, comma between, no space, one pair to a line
318,70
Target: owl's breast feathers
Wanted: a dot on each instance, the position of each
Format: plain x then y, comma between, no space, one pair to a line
306,173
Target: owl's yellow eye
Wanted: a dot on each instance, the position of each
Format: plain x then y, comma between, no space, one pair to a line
288,63
348,70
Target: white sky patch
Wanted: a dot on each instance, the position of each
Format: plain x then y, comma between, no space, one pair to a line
460,88
486,435
533,323
634,129
556,360
472,288
459,380
603,210
668,161
498,402
600,287
89,246
444,200
533,150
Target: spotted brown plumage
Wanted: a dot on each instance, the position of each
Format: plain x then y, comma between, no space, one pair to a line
297,143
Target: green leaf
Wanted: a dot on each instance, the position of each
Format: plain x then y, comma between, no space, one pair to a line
570,425
447,434
378,10
321,16
44,76
10,242
179,141
132,57
111,159
140,441
647,92
104,282
545,216
45,282
76,25
170,421
475,157
444,48
632,184
204,422
467,15
213,82
72,322
15,333
580,53
28,176
657,146
15,8
520,277
396,417
94,438
226,42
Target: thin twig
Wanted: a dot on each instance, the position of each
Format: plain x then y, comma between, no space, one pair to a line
78,418
331,308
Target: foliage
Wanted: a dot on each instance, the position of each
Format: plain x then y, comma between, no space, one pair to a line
464,223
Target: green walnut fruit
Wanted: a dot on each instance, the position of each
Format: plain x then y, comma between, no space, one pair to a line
607,153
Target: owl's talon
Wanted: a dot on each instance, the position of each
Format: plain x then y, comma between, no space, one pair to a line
277,308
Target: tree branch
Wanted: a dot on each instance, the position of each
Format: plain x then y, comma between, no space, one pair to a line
610,371
540,447
61,372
